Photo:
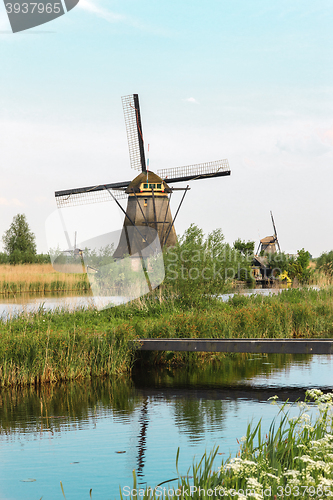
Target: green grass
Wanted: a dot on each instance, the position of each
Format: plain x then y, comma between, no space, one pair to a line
47,347
293,460
62,345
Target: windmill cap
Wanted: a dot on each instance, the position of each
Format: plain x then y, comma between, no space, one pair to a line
268,239
142,179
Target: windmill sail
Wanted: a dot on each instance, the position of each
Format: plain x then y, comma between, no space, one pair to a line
192,172
91,194
275,233
134,131
99,193
116,191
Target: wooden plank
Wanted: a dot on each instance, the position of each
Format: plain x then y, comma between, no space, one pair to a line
258,346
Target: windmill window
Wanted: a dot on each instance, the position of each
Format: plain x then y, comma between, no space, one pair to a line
145,186
152,186
159,186
145,202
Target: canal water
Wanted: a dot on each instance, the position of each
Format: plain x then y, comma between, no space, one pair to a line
30,303
92,435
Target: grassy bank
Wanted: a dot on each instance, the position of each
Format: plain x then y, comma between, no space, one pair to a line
63,345
294,460
39,278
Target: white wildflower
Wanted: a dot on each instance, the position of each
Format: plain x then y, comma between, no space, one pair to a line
255,488
305,458
326,482
291,472
293,482
315,444
326,398
317,465
253,483
268,474
237,465
314,393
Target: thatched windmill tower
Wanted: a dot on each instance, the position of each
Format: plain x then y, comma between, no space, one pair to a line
148,205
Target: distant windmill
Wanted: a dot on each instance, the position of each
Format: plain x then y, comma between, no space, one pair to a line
269,243
75,251
148,205
75,256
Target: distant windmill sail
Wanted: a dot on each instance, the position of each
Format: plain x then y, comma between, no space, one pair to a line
275,233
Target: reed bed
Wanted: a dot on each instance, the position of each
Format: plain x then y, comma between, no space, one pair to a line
44,348
293,460
293,313
39,278
64,345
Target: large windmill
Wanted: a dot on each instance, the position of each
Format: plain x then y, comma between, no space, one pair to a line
148,206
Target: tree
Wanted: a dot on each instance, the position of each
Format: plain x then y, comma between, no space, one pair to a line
19,241
300,268
245,248
325,263
199,269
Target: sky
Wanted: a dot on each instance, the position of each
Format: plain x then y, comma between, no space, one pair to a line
248,81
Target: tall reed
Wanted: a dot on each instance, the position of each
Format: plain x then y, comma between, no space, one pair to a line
39,278
46,347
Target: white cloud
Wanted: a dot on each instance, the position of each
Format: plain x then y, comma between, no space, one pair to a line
192,100
94,8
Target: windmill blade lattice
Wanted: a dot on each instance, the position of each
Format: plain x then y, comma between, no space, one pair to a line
87,196
134,131
192,172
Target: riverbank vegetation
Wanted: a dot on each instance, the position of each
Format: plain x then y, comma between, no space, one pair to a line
68,345
324,264
294,460
39,278
199,266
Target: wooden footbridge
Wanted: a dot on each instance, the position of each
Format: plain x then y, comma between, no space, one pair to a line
256,346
